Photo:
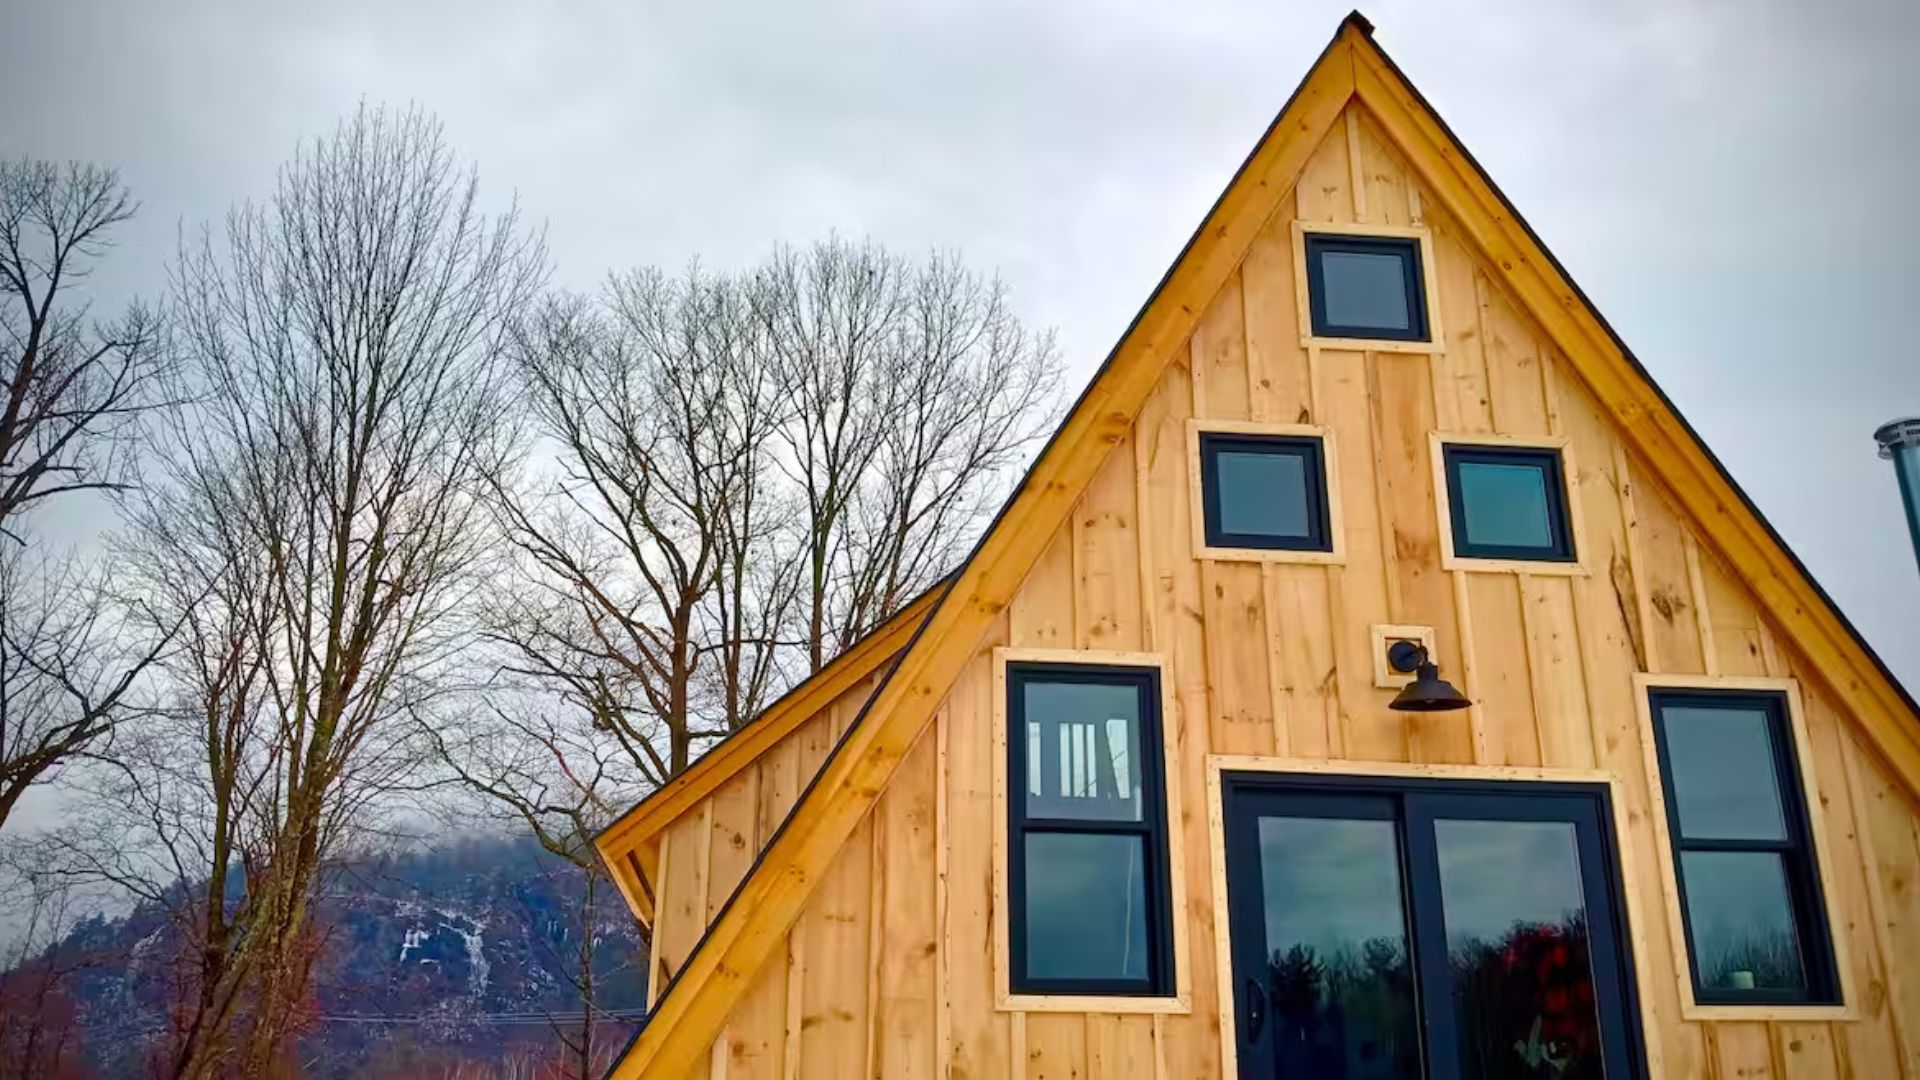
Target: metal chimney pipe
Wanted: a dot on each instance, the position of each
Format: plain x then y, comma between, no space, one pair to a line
1900,441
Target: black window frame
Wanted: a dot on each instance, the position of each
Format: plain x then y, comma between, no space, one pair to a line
1152,827
1413,805
1412,270
1312,449
1559,509
1799,859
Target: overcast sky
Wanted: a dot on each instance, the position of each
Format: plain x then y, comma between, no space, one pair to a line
1732,182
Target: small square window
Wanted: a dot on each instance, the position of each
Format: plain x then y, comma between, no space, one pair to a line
1264,491
1508,503
1366,287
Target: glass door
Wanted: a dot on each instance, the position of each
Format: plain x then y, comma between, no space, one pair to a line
1433,929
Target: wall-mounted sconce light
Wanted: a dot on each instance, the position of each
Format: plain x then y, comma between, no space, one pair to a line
1428,692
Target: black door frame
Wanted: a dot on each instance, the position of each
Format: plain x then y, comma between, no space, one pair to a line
1414,803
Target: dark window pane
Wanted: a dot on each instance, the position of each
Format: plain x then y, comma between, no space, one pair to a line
1742,921
1365,290
1340,981
1511,898
1086,904
1083,750
1263,494
1505,505
1723,776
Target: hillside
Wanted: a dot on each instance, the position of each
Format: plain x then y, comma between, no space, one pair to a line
453,962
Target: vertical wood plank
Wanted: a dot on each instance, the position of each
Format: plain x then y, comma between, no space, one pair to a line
1107,593
1807,1052
757,1041
1402,417
1892,864
1056,1046
1874,1045
1386,179
1042,612
1462,402
1560,689
837,969
1675,634
1518,394
1276,367
1502,681
1220,357
1324,190
1743,1051
907,973
734,818
980,1032
1372,732
780,783
1180,635
1297,606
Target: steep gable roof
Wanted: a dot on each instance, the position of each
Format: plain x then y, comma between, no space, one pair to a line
755,920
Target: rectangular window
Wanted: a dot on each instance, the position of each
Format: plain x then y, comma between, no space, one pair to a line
1264,491
1087,863
1366,287
1756,924
1507,502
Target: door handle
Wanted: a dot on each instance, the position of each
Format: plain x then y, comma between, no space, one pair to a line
1256,1007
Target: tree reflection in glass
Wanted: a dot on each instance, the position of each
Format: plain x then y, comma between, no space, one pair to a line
1339,978
1517,941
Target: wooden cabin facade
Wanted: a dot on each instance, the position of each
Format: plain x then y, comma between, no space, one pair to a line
1673,835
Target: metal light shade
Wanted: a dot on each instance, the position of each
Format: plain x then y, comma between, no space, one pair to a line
1428,692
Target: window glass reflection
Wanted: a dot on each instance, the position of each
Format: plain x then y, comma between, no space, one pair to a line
1516,920
1505,505
1365,290
1086,906
1742,921
1723,775
1083,751
1263,494
1340,980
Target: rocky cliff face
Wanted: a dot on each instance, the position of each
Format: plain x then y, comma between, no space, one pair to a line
460,961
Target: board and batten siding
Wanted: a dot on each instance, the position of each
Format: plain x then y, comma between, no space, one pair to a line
706,850
890,971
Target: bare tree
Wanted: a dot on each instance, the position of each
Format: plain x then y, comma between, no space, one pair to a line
750,471
914,388
73,387
316,527
646,557
72,393
747,472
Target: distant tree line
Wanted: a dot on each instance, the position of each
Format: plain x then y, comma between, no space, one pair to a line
399,526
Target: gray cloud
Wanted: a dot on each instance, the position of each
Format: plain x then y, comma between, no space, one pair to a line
1729,180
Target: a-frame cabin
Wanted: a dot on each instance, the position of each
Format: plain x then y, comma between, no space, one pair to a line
1672,835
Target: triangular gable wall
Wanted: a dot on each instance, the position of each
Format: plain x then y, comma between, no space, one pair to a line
1678,607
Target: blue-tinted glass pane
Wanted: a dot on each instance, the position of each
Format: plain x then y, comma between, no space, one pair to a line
1086,906
1339,975
1512,898
1083,750
1366,290
1742,921
1722,770
1263,494
1505,505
